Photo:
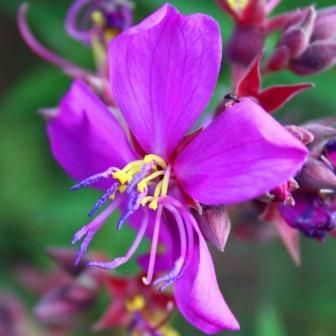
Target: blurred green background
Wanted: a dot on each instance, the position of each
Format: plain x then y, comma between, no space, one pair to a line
268,294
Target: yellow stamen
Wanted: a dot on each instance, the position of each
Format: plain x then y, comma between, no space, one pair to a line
98,18
135,304
238,4
154,203
152,157
146,199
122,188
165,183
144,182
121,176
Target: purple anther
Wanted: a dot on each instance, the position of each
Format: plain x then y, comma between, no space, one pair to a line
93,179
133,204
145,169
89,230
101,201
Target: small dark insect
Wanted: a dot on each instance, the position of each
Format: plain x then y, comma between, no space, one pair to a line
231,97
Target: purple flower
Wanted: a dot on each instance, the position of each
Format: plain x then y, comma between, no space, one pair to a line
163,73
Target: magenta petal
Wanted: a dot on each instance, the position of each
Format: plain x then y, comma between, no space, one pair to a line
241,155
163,72
197,294
85,138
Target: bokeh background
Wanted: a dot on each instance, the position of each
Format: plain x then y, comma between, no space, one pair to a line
269,295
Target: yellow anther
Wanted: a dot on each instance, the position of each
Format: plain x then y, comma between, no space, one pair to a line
132,165
98,18
144,182
154,204
238,4
157,159
146,199
110,34
121,176
122,188
135,304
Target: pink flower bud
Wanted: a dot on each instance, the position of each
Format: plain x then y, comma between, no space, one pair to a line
215,225
319,56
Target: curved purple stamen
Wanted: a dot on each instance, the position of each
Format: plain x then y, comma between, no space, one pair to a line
89,230
93,179
70,22
122,260
101,201
169,278
68,67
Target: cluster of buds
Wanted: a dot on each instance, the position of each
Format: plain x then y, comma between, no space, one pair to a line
307,44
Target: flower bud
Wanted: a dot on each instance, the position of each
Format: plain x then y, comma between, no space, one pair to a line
246,42
312,215
319,56
322,134
215,225
316,175
294,41
325,26
330,151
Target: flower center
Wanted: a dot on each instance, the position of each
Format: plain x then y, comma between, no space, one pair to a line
143,183
150,176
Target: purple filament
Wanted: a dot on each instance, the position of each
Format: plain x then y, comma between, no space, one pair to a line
89,230
102,200
122,260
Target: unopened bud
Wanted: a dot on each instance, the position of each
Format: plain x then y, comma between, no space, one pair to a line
296,37
319,56
311,215
322,134
245,44
330,151
294,41
301,134
316,175
215,225
325,26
